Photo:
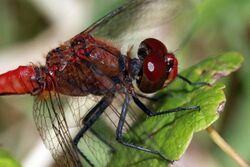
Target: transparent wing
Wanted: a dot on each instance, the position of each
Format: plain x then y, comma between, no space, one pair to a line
91,145
59,118
51,123
170,21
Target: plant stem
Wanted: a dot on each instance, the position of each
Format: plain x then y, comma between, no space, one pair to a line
226,147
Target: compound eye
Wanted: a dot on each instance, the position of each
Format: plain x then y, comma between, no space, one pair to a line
152,75
151,45
171,68
171,62
154,67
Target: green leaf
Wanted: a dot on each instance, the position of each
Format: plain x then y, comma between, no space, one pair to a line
171,134
6,160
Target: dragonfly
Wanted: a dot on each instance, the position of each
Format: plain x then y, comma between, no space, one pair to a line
119,59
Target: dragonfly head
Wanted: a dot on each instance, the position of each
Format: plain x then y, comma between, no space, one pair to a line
158,68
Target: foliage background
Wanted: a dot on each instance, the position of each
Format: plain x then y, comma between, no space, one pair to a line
28,29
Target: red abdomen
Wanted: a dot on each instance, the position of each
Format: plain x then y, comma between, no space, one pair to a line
19,81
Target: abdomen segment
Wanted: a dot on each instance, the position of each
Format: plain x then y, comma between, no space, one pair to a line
19,81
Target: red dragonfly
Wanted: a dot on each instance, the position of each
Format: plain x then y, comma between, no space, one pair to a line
82,77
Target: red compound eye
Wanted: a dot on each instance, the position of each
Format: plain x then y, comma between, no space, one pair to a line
154,67
172,67
159,67
155,46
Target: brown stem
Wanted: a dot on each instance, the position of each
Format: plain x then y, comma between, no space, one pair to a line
226,147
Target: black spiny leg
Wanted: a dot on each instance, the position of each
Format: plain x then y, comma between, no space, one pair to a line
149,113
119,135
89,120
193,83
152,113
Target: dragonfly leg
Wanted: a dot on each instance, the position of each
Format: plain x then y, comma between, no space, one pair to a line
152,113
192,83
89,120
119,135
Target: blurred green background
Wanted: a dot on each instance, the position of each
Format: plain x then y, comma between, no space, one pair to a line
29,28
